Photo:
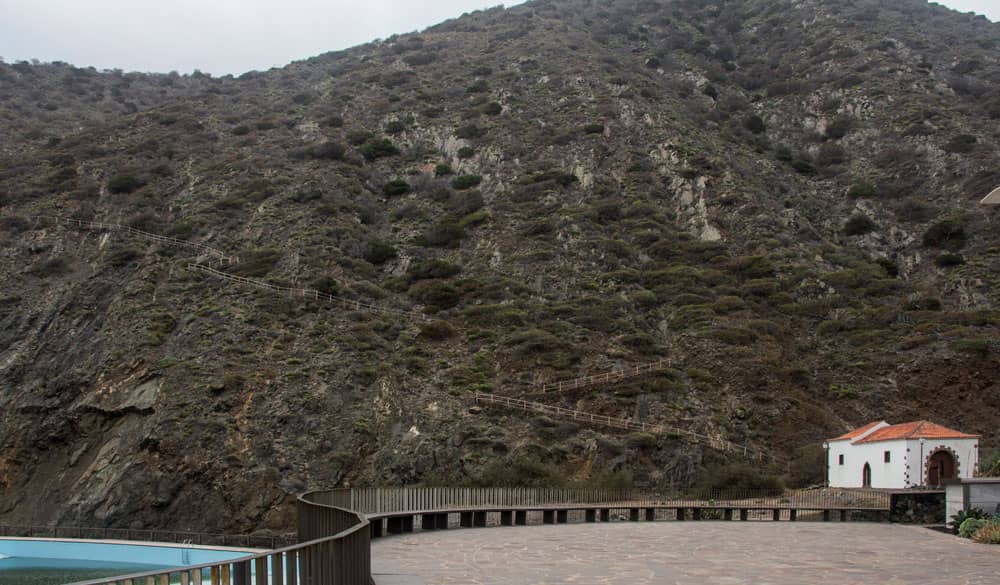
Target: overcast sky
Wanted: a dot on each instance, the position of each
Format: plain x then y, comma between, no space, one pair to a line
227,36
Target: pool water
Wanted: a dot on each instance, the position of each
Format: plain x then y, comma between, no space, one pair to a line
38,571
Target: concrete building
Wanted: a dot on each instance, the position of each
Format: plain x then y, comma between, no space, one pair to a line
913,454
966,494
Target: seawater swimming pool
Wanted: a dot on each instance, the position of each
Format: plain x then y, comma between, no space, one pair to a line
34,561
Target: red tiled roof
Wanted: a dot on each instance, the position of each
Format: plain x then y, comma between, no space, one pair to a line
856,432
920,429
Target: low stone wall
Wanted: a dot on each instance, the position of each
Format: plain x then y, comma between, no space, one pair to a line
917,507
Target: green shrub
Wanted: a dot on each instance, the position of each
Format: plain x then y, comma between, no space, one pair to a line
375,148
862,189
493,109
51,267
988,534
803,166
962,515
979,347
124,183
948,234
961,144
469,131
838,128
497,314
754,123
434,268
443,170
359,137
437,295
989,463
463,182
859,224
330,122
380,252
466,152
328,150
160,325
119,256
474,219
969,526
595,128
241,130
751,267
394,127
445,234
739,476
520,472
479,86
807,467
948,259
530,341
326,285
437,331
395,187
256,263
642,441
923,304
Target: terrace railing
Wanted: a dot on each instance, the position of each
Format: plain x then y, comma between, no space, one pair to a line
335,550
379,501
141,535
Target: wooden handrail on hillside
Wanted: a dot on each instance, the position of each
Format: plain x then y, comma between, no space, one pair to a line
618,423
114,227
307,293
612,377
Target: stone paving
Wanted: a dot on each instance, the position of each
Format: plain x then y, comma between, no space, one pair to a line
688,553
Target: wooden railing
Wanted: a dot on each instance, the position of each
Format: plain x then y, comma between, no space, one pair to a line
334,549
308,293
375,502
612,377
114,227
141,535
620,423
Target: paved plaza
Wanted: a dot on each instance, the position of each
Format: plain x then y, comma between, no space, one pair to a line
683,553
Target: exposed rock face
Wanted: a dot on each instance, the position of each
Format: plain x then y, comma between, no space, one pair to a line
779,196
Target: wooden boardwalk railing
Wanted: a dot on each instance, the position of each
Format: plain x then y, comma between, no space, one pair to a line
619,423
308,293
334,549
114,227
140,535
396,500
612,377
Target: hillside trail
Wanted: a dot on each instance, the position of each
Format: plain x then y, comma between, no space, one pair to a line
211,261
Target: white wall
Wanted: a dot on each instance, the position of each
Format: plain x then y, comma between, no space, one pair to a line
905,469
965,451
884,475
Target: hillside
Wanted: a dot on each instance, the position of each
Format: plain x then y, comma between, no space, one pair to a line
779,197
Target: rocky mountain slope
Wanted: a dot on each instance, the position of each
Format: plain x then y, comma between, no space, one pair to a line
780,197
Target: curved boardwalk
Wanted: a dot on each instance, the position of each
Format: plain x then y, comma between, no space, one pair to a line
712,553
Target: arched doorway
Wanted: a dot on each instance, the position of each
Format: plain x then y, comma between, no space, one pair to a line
941,466
866,476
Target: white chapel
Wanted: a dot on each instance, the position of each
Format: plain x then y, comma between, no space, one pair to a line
913,454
